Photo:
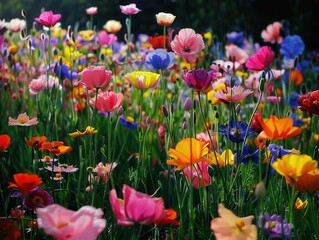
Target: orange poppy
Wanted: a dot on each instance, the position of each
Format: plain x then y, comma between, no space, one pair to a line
5,142
278,129
296,77
54,147
36,141
25,182
308,182
169,217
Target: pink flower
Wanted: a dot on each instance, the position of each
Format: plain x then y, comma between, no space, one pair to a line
23,120
200,174
104,171
129,9
95,76
106,39
273,99
261,60
227,66
48,19
36,86
62,223
199,79
233,94
236,54
107,101
136,207
272,33
187,44
91,10
15,25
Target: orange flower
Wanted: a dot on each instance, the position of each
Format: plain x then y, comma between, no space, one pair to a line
25,182
36,141
187,152
89,130
169,217
278,129
57,148
5,141
296,77
308,182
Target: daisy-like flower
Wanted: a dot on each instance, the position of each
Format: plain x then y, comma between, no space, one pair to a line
88,131
234,94
62,168
23,120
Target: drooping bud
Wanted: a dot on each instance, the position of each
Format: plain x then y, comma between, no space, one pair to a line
260,190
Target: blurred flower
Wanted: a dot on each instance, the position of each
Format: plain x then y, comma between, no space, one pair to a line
107,101
88,131
15,25
236,38
272,33
293,166
36,198
309,102
168,217
187,44
292,46
260,190
16,212
129,9
106,39
257,121
91,11
229,226
23,120
293,100
308,182
158,41
234,94
25,182
112,26
36,141
211,94
142,79
288,63
132,208
274,226
261,60
227,66
295,77
62,168
9,229
55,147
187,152
235,131
198,174
299,204
165,19
5,142
37,85
160,59
278,129
226,158
128,122
62,223
199,79
246,156
48,19
236,54
95,76
48,159
104,171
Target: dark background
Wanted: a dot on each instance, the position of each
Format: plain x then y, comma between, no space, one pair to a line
250,16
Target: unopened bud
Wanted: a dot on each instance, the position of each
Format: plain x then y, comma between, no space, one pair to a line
120,111
184,125
148,120
187,104
165,111
260,190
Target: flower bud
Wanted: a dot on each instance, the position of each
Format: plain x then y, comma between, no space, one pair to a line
260,190
187,104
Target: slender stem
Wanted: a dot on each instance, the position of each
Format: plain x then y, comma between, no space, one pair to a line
164,36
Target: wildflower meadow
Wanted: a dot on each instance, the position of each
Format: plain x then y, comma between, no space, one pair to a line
181,135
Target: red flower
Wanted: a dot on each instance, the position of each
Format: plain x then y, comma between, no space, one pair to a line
36,141
25,182
158,41
95,76
5,141
107,101
48,19
309,102
57,148
168,217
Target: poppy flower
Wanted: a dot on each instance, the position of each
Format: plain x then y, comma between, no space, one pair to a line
309,102
160,59
272,33
169,217
278,129
143,79
158,41
95,76
107,101
308,182
36,141
233,94
187,152
261,60
48,19
37,197
129,9
5,142
198,174
226,158
165,19
187,43
55,147
88,131
25,182
199,79
23,120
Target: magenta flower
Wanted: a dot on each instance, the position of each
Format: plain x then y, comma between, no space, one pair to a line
62,223
136,207
129,9
234,94
272,33
261,60
37,198
95,76
106,39
23,120
199,79
198,174
48,19
187,44
107,101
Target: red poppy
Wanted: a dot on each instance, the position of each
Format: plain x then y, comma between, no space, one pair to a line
5,141
36,141
309,102
158,41
25,182
54,147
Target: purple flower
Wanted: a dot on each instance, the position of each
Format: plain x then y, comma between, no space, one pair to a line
237,38
160,59
128,122
274,226
235,131
37,198
199,79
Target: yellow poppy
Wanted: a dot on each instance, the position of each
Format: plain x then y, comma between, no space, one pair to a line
226,158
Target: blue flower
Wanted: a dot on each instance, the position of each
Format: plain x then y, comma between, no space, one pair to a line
292,46
160,59
246,156
64,72
128,123
236,131
276,152
292,101
297,121
236,38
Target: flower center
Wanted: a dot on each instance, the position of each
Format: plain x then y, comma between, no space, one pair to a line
240,224
47,158
61,225
23,120
236,132
186,49
37,201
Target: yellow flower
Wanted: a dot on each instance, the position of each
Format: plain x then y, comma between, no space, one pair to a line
208,36
88,130
293,166
143,80
217,88
299,204
187,152
308,182
227,158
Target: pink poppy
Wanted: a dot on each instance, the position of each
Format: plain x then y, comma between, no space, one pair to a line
36,86
129,9
272,33
261,60
48,19
95,76
136,207
107,101
234,94
187,44
198,174
236,54
106,39
91,10
23,120
62,223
